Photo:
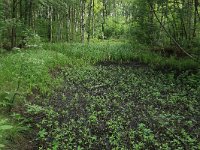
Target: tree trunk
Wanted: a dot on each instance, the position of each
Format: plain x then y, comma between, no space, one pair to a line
93,19
25,12
50,18
68,24
21,10
72,23
196,3
13,30
82,20
89,20
30,13
104,20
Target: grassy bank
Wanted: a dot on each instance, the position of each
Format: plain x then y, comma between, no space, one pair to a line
20,72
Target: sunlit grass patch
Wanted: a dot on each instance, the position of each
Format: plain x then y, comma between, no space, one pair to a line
30,66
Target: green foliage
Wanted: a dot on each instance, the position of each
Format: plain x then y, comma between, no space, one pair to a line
3,127
106,95
144,29
158,22
120,52
111,96
115,28
23,71
119,107
9,129
29,69
31,39
5,32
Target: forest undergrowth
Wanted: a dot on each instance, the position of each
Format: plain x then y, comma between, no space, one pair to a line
108,95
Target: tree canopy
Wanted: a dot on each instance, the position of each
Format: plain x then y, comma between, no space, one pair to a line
78,20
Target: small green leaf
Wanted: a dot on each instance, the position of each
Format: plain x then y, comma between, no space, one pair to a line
6,127
2,146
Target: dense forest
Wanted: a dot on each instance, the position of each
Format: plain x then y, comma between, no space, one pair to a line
99,74
153,22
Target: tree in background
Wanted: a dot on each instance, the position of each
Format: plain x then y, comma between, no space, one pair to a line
81,20
180,18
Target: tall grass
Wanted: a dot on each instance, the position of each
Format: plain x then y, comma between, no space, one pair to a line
121,52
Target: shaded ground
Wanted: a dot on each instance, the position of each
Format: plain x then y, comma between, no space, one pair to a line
127,106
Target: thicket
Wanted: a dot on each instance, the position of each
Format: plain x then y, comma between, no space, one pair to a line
153,22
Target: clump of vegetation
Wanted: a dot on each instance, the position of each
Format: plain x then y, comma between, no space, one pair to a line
115,107
20,73
119,52
4,126
13,129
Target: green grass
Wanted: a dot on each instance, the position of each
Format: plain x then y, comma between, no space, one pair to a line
33,71
29,69
124,52
28,65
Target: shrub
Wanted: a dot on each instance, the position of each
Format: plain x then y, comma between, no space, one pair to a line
31,39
